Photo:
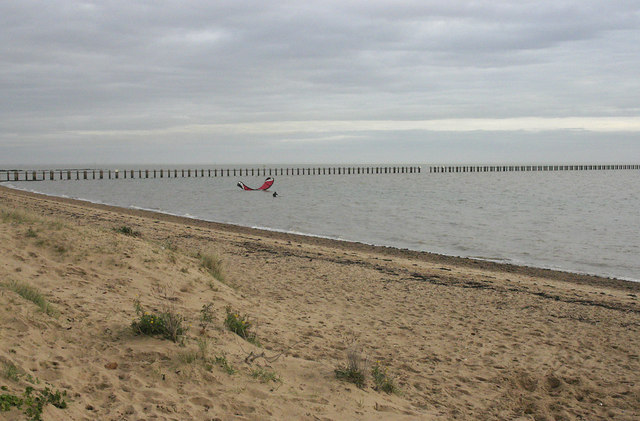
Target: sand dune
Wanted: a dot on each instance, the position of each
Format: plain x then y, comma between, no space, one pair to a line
460,339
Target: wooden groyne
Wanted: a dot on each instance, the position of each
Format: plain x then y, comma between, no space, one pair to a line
511,168
113,174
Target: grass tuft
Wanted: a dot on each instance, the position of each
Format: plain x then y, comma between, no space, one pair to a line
32,294
10,371
354,370
127,231
15,216
213,265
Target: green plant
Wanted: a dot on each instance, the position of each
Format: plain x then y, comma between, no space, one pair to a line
127,231
7,401
213,265
168,323
33,380
34,404
354,370
206,317
382,380
32,294
10,371
33,401
31,233
240,325
222,362
265,375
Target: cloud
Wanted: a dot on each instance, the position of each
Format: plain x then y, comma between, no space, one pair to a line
138,69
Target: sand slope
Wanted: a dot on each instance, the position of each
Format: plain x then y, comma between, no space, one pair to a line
462,339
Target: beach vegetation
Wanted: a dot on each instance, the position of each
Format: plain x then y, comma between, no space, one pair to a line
265,376
240,325
202,355
126,230
15,216
383,382
167,323
32,294
206,317
32,401
188,357
213,265
10,371
55,225
7,401
169,245
60,249
221,361
354,370
194,355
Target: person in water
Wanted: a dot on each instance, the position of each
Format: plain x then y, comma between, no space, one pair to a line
275,194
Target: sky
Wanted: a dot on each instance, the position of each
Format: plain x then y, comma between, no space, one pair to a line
267,82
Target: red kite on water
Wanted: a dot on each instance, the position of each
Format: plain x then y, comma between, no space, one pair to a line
267,183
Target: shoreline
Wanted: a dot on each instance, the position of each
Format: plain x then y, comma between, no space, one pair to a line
553,274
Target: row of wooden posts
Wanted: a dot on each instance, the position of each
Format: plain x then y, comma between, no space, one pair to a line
509,168
99,174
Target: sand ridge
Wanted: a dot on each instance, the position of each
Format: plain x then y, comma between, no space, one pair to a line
463,339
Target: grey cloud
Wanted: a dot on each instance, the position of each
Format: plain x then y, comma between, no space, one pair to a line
119,65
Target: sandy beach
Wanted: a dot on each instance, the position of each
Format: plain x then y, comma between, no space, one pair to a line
457,338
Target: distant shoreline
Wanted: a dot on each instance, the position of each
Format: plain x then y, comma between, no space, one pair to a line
426,256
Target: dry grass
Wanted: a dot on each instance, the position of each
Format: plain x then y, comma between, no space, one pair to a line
355,368
213,265
32,294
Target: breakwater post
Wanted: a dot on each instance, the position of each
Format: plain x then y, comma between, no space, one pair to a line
83,173
7,175
518,168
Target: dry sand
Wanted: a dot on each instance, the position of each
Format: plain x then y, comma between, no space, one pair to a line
462,339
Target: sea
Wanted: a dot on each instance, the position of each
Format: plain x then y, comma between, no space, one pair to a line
575,221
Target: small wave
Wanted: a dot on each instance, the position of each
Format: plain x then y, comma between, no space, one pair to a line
306,234
492,259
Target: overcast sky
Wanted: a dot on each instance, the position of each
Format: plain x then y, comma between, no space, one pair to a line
220,82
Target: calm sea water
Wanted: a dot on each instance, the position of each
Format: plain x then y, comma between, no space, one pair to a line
583,221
